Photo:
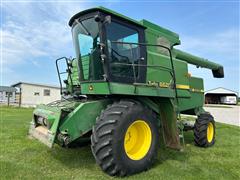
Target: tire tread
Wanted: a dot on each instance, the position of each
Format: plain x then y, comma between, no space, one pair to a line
200,130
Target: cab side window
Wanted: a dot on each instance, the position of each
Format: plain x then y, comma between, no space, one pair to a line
124,54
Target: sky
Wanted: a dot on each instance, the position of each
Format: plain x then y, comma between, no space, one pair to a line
35,33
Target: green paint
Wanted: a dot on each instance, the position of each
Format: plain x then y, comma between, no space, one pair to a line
196,60
128,89
196,98
82,118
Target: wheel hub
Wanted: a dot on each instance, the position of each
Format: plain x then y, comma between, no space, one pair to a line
210,132
137,141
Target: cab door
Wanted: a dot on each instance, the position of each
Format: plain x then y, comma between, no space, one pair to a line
126,57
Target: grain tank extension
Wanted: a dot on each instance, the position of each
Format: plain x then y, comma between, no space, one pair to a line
125,91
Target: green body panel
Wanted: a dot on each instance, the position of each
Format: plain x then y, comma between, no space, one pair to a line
126,89
154,31
157,73
52,113
196,98
82,118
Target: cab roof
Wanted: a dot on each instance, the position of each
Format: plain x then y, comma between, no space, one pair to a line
107,11
172,36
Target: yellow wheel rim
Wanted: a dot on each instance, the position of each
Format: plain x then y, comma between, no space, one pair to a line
210,132
138,139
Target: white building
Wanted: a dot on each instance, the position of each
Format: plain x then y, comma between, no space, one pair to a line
7,94
31,94
221,96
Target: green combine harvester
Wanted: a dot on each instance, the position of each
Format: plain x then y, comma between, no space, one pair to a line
125,90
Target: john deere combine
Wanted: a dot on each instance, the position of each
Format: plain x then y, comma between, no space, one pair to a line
127,86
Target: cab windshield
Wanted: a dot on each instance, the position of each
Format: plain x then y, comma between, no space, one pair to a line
86,39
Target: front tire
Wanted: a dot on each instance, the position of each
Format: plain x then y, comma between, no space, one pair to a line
125,138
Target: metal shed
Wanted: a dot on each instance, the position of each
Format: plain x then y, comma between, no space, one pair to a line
221,96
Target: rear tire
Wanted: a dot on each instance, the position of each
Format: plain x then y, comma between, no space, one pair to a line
115,134
204,130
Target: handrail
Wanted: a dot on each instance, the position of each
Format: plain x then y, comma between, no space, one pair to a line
59,73
156,45
141,65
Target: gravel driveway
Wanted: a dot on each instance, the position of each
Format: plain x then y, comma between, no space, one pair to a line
229,115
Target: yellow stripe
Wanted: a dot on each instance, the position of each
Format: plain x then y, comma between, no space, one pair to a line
181,86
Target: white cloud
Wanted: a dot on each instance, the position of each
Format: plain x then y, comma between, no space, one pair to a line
222,43
33,30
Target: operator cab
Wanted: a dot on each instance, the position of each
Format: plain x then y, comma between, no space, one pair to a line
108,47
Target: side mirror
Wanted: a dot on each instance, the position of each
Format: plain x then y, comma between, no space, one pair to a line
97,18
106,20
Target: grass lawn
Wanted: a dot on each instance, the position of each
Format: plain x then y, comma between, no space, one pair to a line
24,158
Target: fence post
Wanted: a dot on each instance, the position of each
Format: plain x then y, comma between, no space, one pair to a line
20,97
8,99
